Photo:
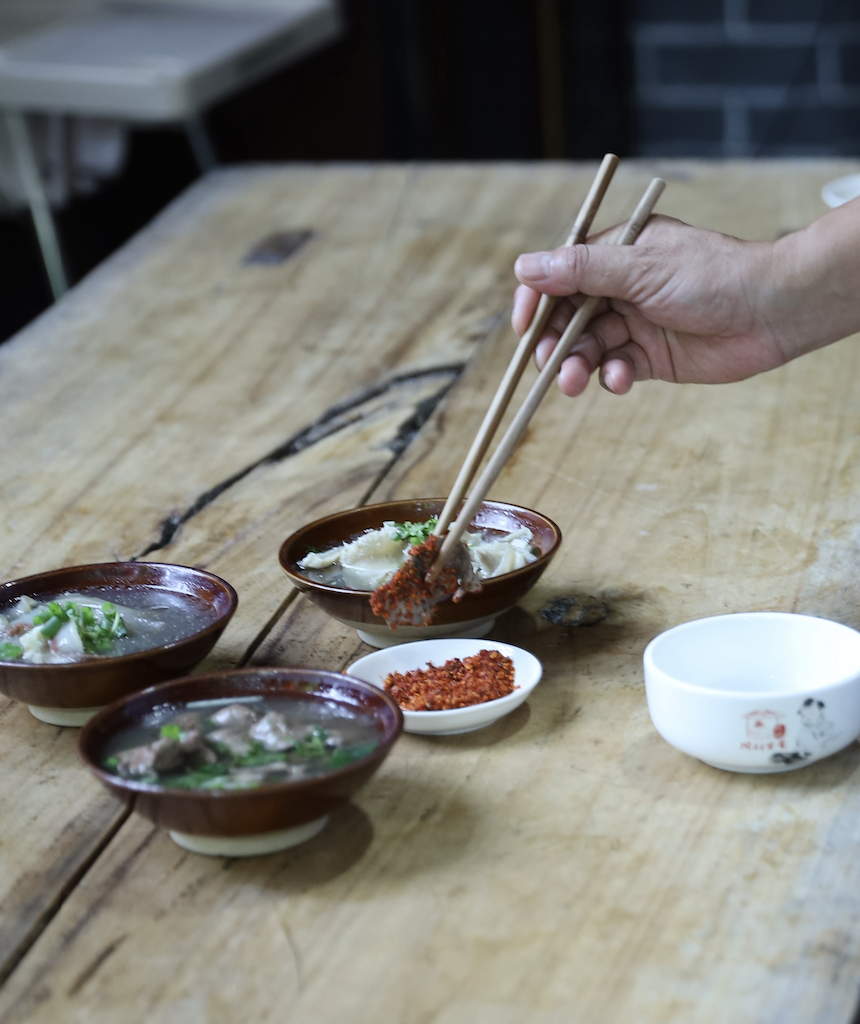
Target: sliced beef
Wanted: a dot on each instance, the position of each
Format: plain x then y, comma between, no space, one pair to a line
236,742
273,732
164,755
234,716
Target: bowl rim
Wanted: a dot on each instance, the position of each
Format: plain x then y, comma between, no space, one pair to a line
130,786
440,716
708,691
124,659
328,589
831,190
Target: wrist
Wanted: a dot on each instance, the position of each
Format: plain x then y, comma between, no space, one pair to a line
815,282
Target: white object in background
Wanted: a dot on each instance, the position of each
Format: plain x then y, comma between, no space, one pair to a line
74,155
374,668
842,190
157,62
152,62
756,692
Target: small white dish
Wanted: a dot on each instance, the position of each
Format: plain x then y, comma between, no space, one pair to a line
756,691
374,668
842,190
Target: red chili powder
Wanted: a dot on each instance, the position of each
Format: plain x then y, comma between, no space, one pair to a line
484,676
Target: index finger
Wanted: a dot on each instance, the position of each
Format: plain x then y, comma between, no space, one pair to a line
525,303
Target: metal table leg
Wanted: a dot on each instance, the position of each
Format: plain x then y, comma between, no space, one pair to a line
201,144
40,208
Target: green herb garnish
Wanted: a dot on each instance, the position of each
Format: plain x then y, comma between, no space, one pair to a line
52,626
171,732
346,755
57,610
196,779
98,630
258,756
10,652
415,533
313,744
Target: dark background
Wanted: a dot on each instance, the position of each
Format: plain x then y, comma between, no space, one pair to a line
498,79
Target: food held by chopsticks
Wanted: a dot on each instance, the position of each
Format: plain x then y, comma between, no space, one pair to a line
484,676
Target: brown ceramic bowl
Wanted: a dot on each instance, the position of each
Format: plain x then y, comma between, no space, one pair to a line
473,616
70,694
249,821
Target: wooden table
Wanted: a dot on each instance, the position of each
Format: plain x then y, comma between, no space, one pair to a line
564,865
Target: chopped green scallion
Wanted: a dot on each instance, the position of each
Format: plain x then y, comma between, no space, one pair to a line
57,610
52,627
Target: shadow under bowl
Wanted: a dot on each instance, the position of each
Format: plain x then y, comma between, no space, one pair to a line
473,616
248,821
71,693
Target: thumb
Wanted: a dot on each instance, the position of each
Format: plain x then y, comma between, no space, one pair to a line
609,271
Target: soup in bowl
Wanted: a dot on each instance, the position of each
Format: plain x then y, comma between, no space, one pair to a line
242,762
75,639
510,548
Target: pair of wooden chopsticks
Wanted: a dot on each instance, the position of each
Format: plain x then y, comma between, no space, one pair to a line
515,369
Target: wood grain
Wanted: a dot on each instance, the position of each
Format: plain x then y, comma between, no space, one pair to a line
183,404
565,864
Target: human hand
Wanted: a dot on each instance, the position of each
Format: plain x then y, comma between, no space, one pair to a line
684,304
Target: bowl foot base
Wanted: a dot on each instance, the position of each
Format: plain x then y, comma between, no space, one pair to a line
455,732
768,770
476,629
249,846
62,716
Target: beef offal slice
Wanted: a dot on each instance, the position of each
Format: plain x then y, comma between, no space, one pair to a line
407,599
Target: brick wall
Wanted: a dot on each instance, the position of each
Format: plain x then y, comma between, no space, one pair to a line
746,77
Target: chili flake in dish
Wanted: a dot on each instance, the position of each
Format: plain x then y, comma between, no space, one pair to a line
484,676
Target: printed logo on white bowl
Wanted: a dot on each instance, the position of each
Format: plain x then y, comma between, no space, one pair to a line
767,730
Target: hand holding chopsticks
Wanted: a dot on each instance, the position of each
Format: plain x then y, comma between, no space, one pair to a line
521,420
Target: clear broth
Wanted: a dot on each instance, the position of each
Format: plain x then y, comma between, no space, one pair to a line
355,734
163,617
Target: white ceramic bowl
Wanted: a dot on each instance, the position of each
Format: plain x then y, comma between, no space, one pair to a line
374,668
842,190
756,692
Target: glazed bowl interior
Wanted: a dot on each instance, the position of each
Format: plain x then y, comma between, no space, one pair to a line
264,808
96,681
757,652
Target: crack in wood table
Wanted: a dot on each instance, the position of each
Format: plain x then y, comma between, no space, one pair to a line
564,865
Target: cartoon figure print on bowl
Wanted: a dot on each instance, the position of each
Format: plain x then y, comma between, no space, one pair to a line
766,730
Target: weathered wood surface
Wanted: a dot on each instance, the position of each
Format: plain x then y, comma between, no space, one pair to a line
176,373
565,864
